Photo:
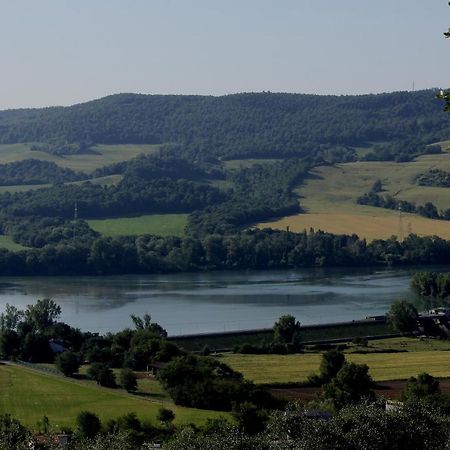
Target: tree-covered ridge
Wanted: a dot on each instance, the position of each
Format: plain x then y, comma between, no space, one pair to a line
253,124
34,171
149,185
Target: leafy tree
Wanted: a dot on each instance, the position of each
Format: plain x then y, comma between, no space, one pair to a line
145,323
402,316
165,416
88,424
36,348
68,363
9,343
285,329
42,314
10,318
128,380
351,385
422,386
102,374
331,363
250,418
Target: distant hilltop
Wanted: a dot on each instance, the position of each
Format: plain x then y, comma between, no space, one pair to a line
235,126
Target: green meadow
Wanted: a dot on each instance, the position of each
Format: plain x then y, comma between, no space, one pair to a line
158,224
415,356
28,396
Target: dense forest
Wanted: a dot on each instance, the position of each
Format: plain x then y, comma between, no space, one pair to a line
241,125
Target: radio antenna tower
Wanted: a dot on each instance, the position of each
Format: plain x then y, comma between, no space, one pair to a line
400,223
75,218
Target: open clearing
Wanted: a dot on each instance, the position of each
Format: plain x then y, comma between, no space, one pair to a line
329,199
105,155
158,224
383,366
28,396
9,244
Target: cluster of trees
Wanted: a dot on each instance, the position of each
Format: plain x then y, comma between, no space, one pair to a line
60,147
35,171
202,382
27,334
428,210
40,231
435,178
353,428
125,432
416,427
431,284
402,316
252,249
168,163
401,151
241,125
259,192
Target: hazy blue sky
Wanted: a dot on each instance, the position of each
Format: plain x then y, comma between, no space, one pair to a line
68,51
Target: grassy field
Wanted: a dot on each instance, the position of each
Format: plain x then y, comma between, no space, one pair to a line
29,396
109,180
159,224
103,181
106,154
329,199
430,356
9,244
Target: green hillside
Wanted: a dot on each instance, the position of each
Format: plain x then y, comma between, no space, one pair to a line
28,396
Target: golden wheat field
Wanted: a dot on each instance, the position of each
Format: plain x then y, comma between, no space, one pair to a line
329,197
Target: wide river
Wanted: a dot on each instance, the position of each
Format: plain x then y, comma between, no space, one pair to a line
215,301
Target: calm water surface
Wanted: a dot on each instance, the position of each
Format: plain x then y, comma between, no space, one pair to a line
193,303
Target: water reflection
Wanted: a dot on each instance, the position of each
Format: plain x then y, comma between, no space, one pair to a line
191,303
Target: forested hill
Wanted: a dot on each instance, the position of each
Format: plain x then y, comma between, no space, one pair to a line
240,125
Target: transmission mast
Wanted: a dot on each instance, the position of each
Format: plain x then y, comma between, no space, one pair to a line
400,223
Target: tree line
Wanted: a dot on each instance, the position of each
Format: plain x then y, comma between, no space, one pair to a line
428,210
251,249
